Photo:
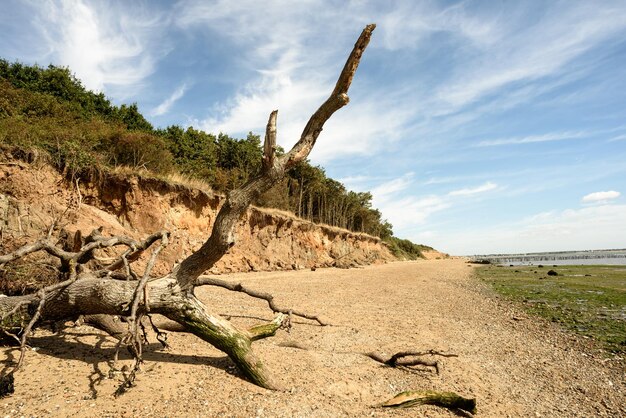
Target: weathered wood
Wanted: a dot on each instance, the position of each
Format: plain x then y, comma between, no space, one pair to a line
224,336
112,297
449,400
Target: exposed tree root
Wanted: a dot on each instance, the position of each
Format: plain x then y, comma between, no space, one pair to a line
239,287
449,400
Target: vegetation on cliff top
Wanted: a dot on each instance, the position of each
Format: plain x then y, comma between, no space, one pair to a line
49,109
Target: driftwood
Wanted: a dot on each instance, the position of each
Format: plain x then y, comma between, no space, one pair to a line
401,359
409,358
115,290
449,400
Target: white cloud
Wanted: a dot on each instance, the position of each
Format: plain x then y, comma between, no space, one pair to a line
165,106
295,66
296,62
409,24
401,209
384,190
410,211
406,211
425,236
488,186
618,138
526,52
600,196
554,136
106,46
356,183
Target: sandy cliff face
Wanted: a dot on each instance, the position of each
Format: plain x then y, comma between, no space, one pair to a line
32,195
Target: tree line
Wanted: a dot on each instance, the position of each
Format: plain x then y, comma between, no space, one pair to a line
50,109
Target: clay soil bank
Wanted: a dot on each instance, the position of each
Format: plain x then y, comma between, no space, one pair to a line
513,365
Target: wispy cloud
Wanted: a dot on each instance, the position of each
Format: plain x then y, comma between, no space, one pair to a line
108,45
525,52
399,204
408,24
410,211
618,138
391,187
474,190
555,136
402,209
600,197
165,106
294,67
507,52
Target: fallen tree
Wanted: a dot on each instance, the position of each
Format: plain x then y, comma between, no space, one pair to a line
110,295
116,290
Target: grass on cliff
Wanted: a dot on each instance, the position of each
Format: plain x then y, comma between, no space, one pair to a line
589,300
405,249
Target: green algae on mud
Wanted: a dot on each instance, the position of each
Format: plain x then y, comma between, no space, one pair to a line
589,300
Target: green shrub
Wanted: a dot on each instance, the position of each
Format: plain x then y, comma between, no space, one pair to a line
137,150
405,249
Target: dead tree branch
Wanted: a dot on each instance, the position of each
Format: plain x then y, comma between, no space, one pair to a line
222,236
239,287
402,359
136,249
449,400
409,358
133,339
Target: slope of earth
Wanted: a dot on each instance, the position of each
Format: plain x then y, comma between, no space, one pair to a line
34,194
514,366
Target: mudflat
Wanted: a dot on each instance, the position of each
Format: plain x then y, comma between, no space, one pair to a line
513,364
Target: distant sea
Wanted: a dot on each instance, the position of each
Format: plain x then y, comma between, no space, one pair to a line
606,257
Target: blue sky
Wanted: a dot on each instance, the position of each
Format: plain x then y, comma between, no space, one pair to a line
479,127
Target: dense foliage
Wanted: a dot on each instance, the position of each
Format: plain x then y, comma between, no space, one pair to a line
49,109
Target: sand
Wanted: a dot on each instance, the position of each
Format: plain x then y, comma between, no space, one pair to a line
514,365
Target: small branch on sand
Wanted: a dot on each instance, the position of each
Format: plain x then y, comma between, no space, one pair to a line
449,400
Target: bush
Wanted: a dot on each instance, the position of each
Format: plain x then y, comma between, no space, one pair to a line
138,150
405,249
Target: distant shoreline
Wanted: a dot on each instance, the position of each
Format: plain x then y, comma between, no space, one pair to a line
609,257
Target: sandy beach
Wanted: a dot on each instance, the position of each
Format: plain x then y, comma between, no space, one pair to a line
514,365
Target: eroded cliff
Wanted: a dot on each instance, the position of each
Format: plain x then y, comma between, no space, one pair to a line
33,195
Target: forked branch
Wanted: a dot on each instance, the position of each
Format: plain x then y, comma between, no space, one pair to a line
274,168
